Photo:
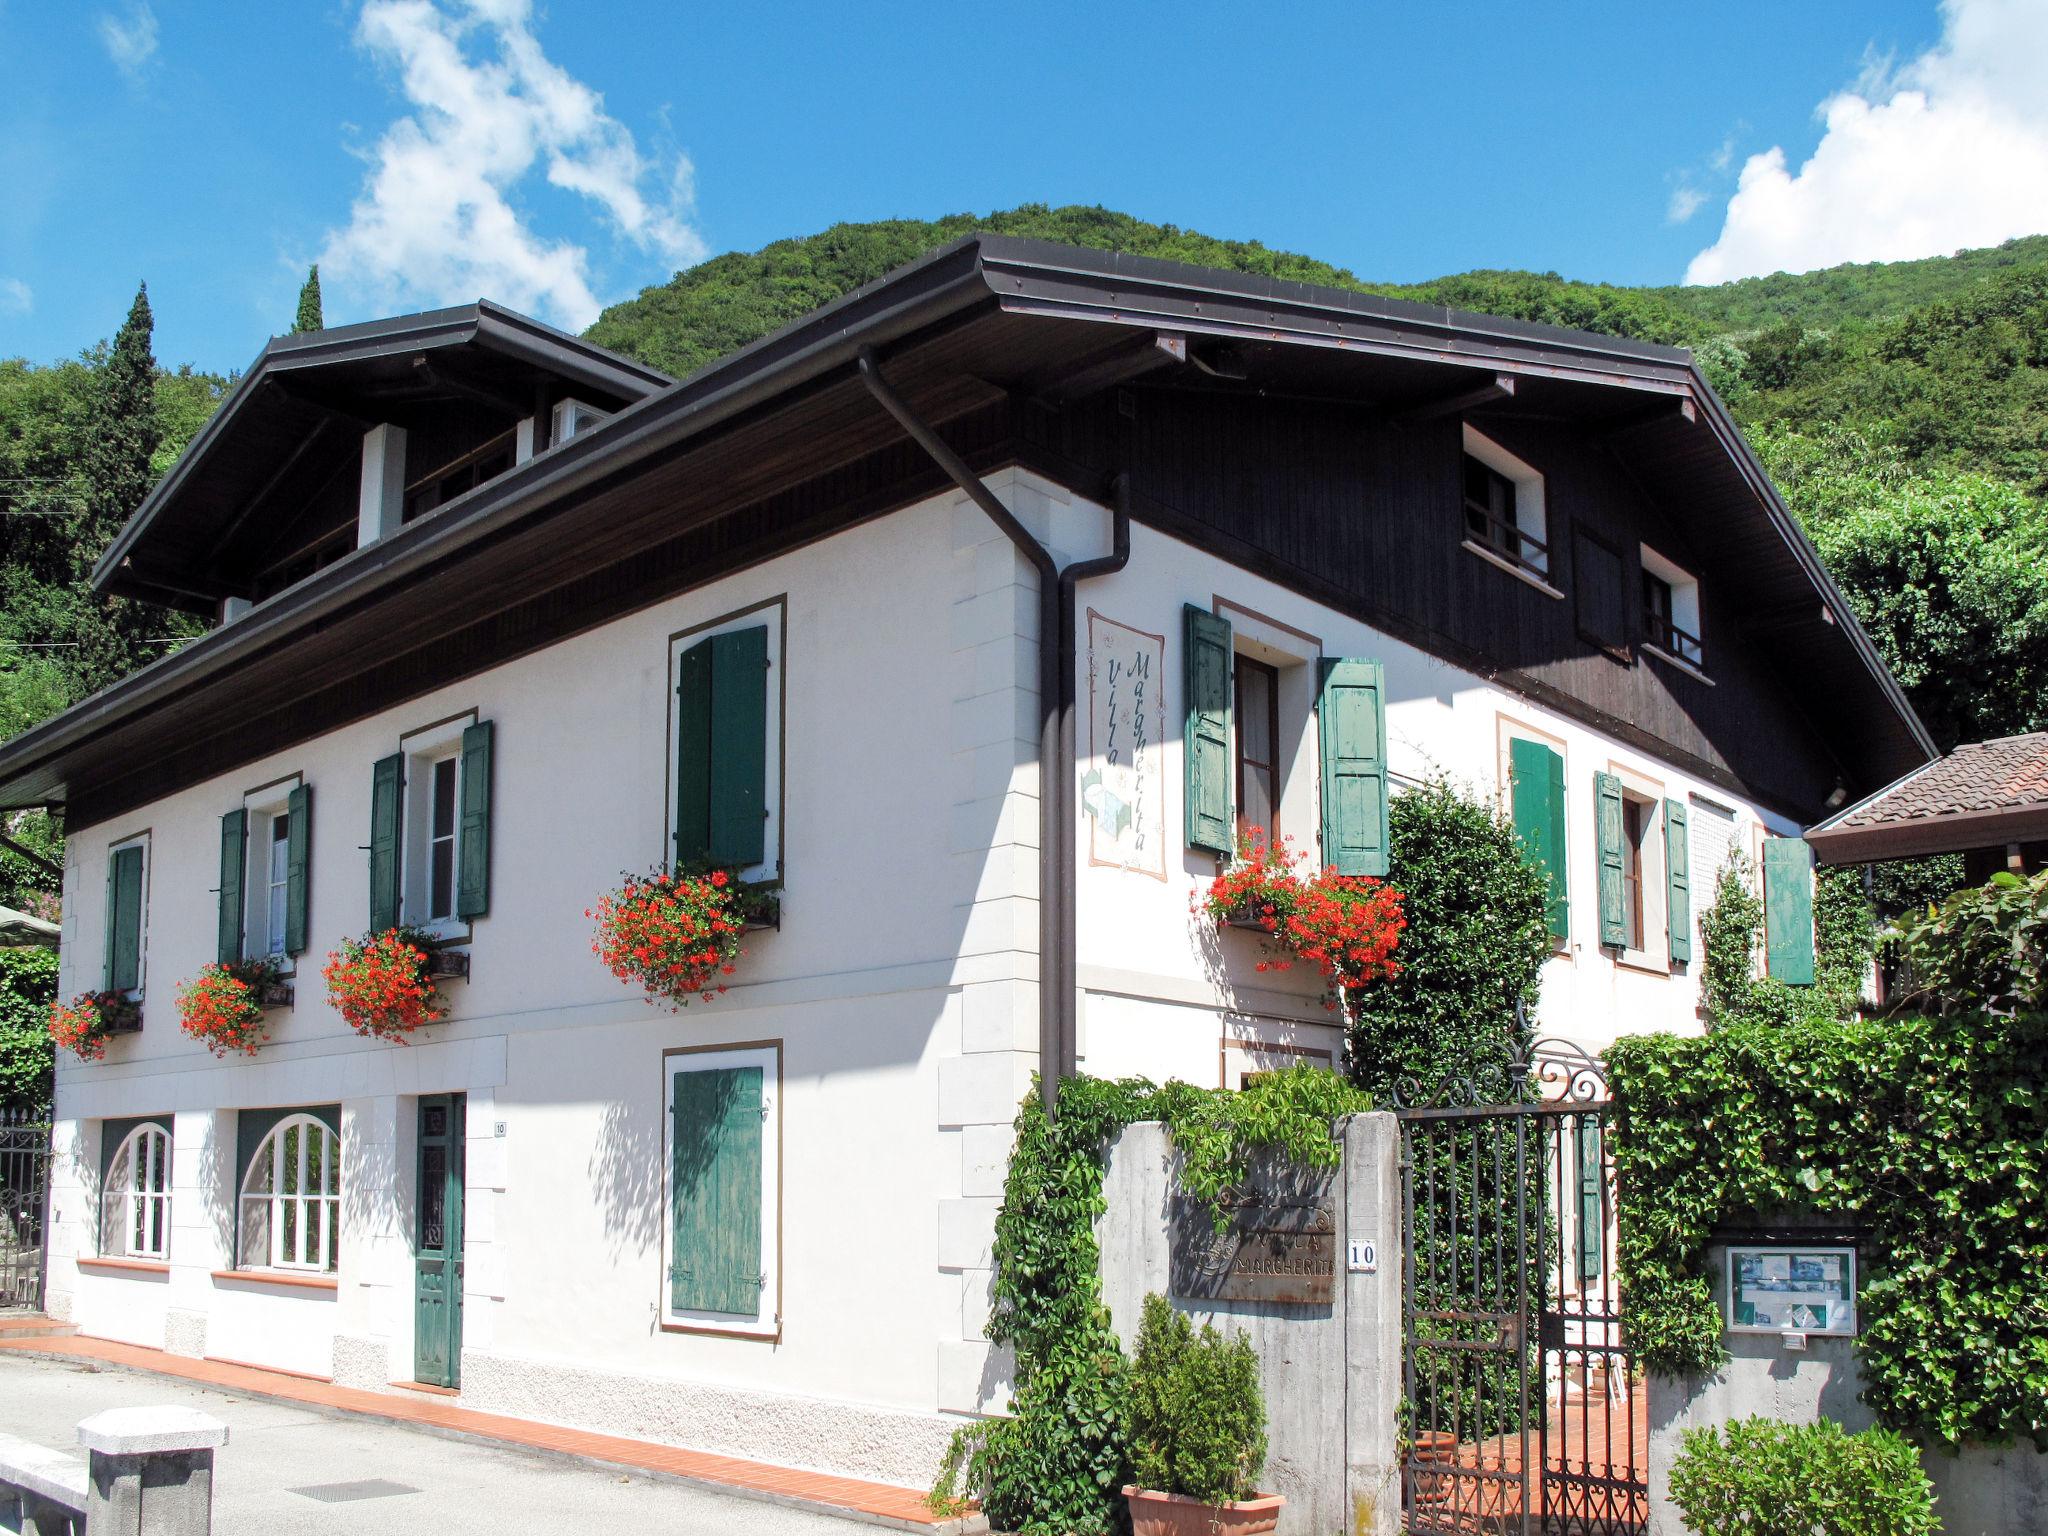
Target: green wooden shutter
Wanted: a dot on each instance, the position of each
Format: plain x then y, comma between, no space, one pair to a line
387,786
1608,822
1205,736
298,851
1788,909
693,754
124,921
234,859
473,838
1351,720
715,1192
1538,805
1592,1215
739,747
1678,879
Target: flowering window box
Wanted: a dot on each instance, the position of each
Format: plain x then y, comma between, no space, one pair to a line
123,1016
277,994
445,963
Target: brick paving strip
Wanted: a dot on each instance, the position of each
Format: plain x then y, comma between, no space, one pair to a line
875,1503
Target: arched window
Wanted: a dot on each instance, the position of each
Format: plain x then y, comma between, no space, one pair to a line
135,1204
291,1198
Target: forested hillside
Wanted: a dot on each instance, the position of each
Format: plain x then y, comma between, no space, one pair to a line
1903,408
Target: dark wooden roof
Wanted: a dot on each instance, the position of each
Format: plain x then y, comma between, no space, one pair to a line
1985,794
300,411
779,444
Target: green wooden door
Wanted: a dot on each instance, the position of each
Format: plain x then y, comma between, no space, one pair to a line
715,1186
437,1246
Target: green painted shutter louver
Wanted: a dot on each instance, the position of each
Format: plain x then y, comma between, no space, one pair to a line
1351,720
715,1192
387,781
739,746
1608,822
124,920
722,750
1592,1215
473,839
1788,910
1678,879
298,852
1538,807
234,858
1205,735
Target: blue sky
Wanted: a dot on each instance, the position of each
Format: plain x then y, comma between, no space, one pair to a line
559,157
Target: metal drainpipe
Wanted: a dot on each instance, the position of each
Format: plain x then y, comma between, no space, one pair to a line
1066,871
1055,989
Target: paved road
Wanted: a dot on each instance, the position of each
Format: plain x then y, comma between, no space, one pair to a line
280,1457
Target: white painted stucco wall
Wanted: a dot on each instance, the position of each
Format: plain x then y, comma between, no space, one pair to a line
901,988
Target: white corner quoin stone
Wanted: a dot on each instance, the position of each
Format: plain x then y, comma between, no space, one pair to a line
151,1431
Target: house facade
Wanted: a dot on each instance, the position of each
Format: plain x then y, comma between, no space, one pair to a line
1000,598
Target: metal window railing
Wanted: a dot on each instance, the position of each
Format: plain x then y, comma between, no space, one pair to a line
1508,540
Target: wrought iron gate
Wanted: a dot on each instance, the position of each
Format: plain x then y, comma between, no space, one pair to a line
24,1197
1526,1414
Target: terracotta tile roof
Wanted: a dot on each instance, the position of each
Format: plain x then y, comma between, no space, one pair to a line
2010,773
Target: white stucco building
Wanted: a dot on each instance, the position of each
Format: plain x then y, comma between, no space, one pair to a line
459,559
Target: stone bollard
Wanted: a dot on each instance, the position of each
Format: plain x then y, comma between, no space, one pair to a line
150,1471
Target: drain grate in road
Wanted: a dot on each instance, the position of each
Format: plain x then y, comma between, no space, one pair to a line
349,1493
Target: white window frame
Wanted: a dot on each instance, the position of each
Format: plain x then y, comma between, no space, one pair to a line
564,422
768,1057
325,1203
774,613
1685,610
1654,954
263,807
138,840
421,750
1532,516
125,1208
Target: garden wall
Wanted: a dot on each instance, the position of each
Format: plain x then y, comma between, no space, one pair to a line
1983,1491
1331,1372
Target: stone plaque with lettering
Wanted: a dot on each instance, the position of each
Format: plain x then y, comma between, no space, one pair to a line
1280,1245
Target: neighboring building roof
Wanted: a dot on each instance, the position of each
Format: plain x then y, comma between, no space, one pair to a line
1985,794
629,511
305,402
18,930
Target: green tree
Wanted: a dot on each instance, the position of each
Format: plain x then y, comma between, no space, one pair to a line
308,317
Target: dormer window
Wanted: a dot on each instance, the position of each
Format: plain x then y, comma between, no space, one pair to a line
1504,514
1671,610
572,417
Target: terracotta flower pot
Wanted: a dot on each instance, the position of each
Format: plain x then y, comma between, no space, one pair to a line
1173,1514
1433,1447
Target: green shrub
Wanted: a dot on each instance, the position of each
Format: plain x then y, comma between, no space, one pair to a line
1767,1478
28,985
1983,948
1198,1420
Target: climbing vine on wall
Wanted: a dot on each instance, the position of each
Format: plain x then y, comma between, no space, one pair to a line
1931,1133
1057,1463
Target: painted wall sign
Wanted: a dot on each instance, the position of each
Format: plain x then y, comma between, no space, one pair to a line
1280,1245
1792,1290
1123,788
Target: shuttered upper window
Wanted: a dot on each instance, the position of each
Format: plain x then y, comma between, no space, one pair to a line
725,745
723,1250
265,852
430,828
127,915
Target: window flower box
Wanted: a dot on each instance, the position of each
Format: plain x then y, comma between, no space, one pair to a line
278,994
86,1023
677,934
448,964
1346,925
222,1007
383,983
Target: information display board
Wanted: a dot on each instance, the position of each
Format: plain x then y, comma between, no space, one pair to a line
1792,1289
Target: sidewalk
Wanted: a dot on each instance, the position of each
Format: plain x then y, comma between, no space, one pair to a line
568,1455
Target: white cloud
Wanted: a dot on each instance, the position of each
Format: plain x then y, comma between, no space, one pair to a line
435,221
130,43
1948,151
16,297
1685,202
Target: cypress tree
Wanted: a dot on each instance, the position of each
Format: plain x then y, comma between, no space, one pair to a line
309,305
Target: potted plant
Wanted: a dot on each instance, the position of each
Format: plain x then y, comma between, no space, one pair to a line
1346,925
222,1006
382,984
676,934
1198,1431
86,1023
